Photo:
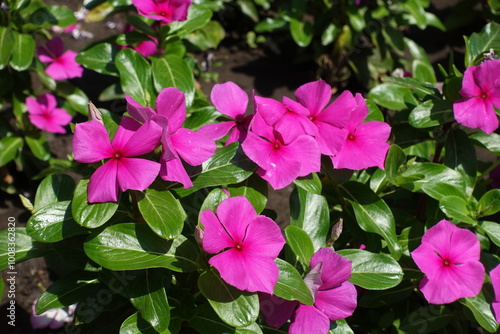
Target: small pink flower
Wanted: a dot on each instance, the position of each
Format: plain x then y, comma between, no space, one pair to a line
449,258
165,11
62,63
481,93
281,157
44,114
53,319
495,281
230,100
245,244
91,144
334,297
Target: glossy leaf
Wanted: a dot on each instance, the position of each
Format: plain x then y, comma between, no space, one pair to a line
482,312
254,189
136,324
6,44
135,76
491,142
291,285
300,243
461,156
90,215
302,32
372,214
48,16
270,24
431,113
147,294
9,147
373,271
53,223
310,183
66,291
163,212
173,71
20,245
229,165
236,308
481,42
426,319
341,327
75,97
492,229
197,17
133,246
205,320
54,188
39,146
456,207
389,95
23,51
209,37
489,203
99,58
395,159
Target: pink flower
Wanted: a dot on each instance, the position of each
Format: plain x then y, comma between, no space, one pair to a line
91,144
230,100
495,281
177,142
245,244
147,48
62,64
334,297
449,258
166,11
481,93
366,142
281,157
44,114
53,319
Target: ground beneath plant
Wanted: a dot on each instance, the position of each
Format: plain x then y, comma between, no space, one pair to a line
270,74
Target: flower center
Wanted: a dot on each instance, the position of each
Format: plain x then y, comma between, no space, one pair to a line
277,145
446,262
483,96
163,13
350,136
238,246
117,155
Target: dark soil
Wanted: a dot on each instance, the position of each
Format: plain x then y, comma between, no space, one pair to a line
268,73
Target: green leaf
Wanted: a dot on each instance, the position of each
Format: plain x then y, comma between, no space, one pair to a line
100,58
291,285
140,25
373,214
456,207
249,9
53,223
414,85
212,201
206,321
479,43
423,71
310,213
197,17
426,319
254,189
374,112
173,71
87,214
489,203
66,291
310,183
341,327
389,96
6,45
147,294
382,298
302,32
431,113
491,142
54,188
300,243
23,51
269,24
9,146
461,156
373,271
48,16
228,165
74,97
20,245
136,324
135,76
482,312
209,37
236,308
492,229
133,246
396,158
39,146
163,212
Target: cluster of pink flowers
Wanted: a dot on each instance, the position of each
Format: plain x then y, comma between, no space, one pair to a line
44,114
286,139
62,64
164,11
481,95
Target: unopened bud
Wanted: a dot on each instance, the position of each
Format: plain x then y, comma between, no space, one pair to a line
94,113
198,234
336,231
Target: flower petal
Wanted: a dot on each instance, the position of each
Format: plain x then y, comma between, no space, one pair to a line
314,96
138,112
47,100
91,142
171,103
337,303
475,112
103,185
246,271
236,214
71,67
495,281
229,99
275,310
193,147
336,269
263,237
34,108
339,111
215,236
136,174
270,110
56,46
144,140
57,71
308,319
173,170
330,138
216,130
